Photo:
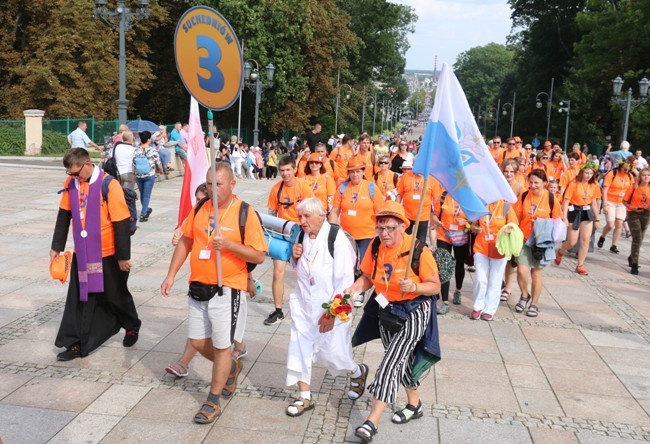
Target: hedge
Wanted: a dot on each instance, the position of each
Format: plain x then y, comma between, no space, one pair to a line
12,142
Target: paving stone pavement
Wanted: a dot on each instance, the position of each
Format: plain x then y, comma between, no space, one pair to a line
580,372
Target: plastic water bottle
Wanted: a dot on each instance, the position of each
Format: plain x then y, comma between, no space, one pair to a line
259,287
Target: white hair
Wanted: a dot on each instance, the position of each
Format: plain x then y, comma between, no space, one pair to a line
311,205
625,145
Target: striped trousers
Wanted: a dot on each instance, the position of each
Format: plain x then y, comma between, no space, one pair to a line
396,366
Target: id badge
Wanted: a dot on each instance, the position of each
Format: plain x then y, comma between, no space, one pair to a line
205,254
82,215
571,208
312,281
489,237
453,227
586,207
352,212
416,197
381,300
622,194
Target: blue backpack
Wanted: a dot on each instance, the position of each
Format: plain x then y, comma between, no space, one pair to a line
142,166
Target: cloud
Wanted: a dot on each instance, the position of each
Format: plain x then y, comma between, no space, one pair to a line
447,28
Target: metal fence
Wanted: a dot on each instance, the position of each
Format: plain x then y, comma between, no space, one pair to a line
16,124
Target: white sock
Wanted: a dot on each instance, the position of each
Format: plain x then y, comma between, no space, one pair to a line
356,373
306,394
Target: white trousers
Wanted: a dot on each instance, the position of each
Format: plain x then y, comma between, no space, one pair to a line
487,283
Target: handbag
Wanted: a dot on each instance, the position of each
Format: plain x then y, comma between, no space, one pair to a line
390,321
457,238
202,292
446,264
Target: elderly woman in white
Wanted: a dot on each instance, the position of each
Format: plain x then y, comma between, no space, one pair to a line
315,337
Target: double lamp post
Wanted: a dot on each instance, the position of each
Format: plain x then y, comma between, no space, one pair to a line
628,103
254,84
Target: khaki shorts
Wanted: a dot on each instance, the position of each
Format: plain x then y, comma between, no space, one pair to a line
615,211
212,319
526,258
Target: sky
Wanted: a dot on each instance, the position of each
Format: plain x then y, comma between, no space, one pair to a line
447,28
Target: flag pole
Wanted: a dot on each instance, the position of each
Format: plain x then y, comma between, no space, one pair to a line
215,203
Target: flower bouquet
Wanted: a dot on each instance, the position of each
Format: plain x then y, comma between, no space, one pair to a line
339,307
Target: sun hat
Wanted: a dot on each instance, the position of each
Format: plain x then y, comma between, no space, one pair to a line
407,164
340,136
356,164
60,266
392,209
315,157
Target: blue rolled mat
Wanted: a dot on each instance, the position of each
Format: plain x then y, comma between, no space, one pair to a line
278,248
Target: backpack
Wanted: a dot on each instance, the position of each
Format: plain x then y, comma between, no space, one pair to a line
415,263
371,188
142,166
243,215
129,197
110,166
551,200
331,238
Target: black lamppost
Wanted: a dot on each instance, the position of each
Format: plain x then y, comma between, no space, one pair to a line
123,20
512,112
253,82
628,103
565,107
549,104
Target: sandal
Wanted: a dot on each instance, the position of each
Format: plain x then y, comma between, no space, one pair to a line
208,412
558,257
505,295
238,353
299,406
366,431
580,269
178,369
358,385
521,305
407,413
532,311
231,383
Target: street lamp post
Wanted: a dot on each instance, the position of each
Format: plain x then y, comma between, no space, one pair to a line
628,103
549,104
512,112
123,20
373,106
338,104
493,112
565,107
254,84
496,125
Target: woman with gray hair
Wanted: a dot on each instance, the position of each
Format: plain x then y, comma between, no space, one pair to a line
324,261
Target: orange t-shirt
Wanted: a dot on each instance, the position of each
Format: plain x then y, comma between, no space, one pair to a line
391,267
637,197
357,208
486,240
617,184
568,175
581,194
323,187
114,210
341,155
200,229
409,187
367,160
554,170
532,208
385,181
451,217
496,153
289,198
510,154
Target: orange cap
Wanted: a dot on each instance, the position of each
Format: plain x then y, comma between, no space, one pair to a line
392,209
60,267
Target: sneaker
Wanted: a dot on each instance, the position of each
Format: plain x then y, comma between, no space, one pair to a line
457,297
443,308
471,268
274,317
634,269
613,249
358,300
71,353
601,242
487,317
130,338
476,314
149,211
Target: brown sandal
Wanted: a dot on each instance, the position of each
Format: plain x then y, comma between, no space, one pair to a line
231,383
208,412
301,405
358,385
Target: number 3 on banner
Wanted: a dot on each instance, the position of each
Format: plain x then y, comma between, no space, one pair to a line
215,82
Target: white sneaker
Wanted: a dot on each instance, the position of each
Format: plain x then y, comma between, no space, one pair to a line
358,300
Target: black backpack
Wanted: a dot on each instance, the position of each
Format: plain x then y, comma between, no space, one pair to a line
243,215
331,238
415,263
129,197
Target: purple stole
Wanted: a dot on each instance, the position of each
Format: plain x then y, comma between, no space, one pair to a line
88,239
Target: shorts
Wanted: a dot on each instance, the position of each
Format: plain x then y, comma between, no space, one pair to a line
616,211
526,259
212,319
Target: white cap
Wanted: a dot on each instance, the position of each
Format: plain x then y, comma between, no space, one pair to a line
407,164
294,138
340,136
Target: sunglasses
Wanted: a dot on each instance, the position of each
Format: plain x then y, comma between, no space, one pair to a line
545,158
383,163
387,229
76,174
510,143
